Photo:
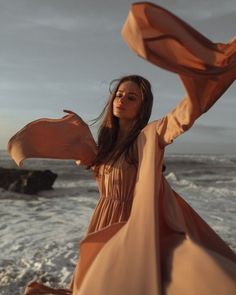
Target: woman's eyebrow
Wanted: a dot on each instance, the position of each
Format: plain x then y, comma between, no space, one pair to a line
128,92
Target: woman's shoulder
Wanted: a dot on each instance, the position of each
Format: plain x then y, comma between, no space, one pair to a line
151,126
149,132
148,140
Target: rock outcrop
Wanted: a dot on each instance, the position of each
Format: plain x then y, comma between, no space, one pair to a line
26,181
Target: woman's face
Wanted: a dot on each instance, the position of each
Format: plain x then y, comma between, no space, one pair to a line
127,101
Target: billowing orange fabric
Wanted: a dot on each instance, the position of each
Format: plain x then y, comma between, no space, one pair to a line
206,69
163,247
65,138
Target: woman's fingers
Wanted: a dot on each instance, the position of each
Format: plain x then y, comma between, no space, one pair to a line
78,117
69,112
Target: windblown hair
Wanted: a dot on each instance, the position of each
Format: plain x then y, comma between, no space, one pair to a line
108,149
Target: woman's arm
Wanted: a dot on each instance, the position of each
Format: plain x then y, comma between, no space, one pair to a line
201,94
206,69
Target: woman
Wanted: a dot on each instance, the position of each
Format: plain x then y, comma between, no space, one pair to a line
115,166
143,238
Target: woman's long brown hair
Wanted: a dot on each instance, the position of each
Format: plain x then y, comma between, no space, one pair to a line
108,149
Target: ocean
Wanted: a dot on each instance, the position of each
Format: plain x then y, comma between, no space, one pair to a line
40,234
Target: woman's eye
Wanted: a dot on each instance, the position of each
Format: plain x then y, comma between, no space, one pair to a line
118,94
131,98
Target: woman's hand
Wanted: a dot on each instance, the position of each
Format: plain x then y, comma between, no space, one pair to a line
73,113
87,151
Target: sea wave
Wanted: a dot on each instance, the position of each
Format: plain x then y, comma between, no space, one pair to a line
40,233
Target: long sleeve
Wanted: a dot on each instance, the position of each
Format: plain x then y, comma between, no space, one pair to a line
206,69
65,138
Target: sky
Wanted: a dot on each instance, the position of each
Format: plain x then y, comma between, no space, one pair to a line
62,54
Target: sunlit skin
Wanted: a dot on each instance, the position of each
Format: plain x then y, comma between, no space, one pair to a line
126,106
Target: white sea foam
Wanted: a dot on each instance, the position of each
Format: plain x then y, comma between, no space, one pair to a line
40,239
171,176
222,192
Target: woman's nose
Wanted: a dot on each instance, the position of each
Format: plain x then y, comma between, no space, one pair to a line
122,98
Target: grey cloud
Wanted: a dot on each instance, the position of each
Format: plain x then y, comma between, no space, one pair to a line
60,15
68,24
201,9
217,130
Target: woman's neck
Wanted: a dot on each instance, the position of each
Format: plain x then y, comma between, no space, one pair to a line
124,130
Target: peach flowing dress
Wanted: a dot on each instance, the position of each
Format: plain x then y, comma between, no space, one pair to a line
143,238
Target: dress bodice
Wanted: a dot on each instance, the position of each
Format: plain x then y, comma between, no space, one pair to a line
116,184
117,181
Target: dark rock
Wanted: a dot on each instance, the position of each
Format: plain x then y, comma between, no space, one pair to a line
26,181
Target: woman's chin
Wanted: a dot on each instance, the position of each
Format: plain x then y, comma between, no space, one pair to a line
117,114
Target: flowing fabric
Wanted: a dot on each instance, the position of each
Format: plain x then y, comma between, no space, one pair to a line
162,246
65,138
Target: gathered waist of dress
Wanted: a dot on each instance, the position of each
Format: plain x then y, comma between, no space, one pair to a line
118,199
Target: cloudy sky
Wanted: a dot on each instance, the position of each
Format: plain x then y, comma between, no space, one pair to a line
57,54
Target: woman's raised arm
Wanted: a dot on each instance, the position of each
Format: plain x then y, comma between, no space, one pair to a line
201,94
206,69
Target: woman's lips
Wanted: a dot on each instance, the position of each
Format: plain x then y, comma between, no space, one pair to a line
119,108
